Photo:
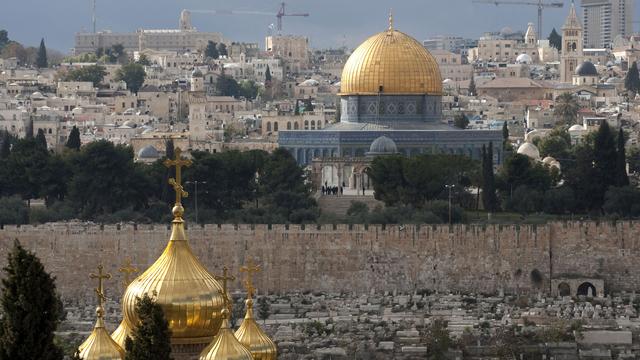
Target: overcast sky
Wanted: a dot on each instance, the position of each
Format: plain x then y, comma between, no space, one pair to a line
332,22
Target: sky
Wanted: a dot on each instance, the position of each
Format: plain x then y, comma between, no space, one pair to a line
332,23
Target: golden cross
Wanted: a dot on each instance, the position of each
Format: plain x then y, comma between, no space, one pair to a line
100,289
128,270
176,182
224,278
250,269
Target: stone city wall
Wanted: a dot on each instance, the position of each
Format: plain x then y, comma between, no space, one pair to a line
356,259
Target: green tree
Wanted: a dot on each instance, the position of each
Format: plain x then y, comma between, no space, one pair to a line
24,169
211,51
227,86
264,308
41,139
622,201
133,74
73,142
249,89
93,73
621,178
144,60
267,75
472,86
566,109
41,60
605,158
4,39
461,121
519,170
505,135
222,49
438,340
7,141
105,179
633,159
632,80
151,336
556,144
29,302
555,40
489,198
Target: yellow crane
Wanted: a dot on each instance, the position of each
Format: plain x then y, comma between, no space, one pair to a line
540,4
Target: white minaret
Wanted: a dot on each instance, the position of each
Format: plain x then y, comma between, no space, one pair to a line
571,46
185,20
531,37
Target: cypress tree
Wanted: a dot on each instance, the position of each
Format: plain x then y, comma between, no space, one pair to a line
267,75
555,40
41,139
152,337
489,199
632,80
505,135
621,177
5,148
472,86
41,59
74,139
605,158
31,309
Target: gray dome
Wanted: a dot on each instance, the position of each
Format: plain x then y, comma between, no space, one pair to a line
383,146
148,152
586,69
196,73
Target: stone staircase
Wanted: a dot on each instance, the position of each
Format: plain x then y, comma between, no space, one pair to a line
338,205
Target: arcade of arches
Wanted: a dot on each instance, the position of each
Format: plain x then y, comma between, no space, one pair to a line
348,172
577,287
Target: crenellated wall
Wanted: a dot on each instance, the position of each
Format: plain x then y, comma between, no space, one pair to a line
357,259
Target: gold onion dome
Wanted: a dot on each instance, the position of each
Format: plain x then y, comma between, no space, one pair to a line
189,295
225,346
99,345
391,62
123,331
249,333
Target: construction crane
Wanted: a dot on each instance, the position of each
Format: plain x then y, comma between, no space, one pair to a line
279,15
539,3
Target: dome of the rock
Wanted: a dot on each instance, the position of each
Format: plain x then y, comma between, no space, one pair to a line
391,62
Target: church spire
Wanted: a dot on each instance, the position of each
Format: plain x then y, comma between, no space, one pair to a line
572,21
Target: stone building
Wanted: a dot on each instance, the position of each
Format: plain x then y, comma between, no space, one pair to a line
293,50
572,46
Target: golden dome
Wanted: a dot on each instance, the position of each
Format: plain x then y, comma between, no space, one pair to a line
393,62
225,346
99,345
253,338
189,295
121,333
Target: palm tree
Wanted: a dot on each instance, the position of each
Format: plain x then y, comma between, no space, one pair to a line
566,109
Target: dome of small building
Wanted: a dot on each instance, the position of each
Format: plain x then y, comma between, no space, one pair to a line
576,127
196,73
253,338
130,123
383,146
37,95
148,152
548,160
614,80
586,69
506,31
529,150
225,346
524,59
309,82
391,62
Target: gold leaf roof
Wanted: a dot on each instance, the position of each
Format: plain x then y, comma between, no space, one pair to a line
121,333
225,346
189,295
253,338
394,61
99,345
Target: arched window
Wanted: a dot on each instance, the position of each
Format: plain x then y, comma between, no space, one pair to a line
288,125
313,124
306,124
268,127
296,126
275,126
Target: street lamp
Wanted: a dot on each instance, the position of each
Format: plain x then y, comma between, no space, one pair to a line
195,183
450,187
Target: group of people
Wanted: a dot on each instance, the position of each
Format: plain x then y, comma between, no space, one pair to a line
332,190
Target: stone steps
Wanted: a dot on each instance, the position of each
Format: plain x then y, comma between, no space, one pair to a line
338,205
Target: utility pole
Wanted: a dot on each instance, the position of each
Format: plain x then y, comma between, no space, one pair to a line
195,184
450,187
